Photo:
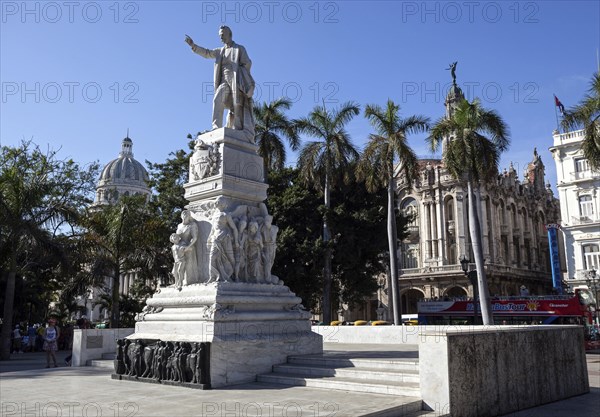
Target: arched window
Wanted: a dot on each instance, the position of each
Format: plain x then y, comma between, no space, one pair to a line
450,209
541,224
409,209
502,213
513,210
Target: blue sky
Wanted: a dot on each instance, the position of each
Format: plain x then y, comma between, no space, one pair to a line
77,75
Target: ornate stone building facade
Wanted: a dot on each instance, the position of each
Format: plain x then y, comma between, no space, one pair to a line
578,189
513,214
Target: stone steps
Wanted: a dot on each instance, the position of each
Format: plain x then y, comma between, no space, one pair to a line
388,364
399,377
105,362
374,374
345,384
101,363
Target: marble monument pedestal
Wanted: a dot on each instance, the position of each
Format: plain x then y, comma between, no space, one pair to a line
228,318
237,174
250,327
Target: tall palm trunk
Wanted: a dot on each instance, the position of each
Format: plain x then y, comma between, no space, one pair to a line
115,307
9,299
327,263
393,248
476,241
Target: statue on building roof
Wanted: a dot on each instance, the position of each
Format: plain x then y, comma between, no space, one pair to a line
452,69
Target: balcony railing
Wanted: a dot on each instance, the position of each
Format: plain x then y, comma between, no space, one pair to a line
568,136
581,220
584,175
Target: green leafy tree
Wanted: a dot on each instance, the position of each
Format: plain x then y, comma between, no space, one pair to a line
127,236
40,197
357,218
321,163
271,125
471,156
129,307
386,148
586,116
298,243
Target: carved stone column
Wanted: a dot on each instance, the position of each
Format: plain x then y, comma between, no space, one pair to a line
511,243
427,228
495,229
484,227
434,232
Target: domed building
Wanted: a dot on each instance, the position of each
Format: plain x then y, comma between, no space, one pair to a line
122,176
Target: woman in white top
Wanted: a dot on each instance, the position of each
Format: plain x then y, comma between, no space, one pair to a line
50,336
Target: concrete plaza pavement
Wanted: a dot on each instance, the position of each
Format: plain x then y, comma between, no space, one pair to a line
27,388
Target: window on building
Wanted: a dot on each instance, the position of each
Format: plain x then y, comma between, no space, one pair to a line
581,165
410,210
450,209
586,206
591,256
513,211
409,255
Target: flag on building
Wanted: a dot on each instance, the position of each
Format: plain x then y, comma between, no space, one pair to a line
558,104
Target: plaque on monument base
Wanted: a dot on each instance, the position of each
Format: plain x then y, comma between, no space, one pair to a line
241,329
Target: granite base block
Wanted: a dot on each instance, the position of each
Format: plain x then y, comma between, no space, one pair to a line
155,381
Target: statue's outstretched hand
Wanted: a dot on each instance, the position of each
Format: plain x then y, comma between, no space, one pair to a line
189,40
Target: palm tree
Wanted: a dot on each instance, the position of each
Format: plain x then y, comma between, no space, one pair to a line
586,115
320,161
471,156
271,124
376,167
38,194
127,236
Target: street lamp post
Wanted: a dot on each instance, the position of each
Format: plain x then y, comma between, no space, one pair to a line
472,277
592,283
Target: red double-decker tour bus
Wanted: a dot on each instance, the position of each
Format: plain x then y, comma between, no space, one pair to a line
578,308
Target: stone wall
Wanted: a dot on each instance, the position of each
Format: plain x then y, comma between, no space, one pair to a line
89,344
496,370
371,334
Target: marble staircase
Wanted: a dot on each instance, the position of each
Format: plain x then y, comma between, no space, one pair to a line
389,376
105,362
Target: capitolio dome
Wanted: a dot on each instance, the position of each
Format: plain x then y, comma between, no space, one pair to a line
122,176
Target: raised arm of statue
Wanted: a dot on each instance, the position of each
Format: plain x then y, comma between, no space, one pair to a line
206,53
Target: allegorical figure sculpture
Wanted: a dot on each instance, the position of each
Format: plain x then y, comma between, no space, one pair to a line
452,69
254,258
240,249
269,237
178,251
188,232
222,258
233,83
